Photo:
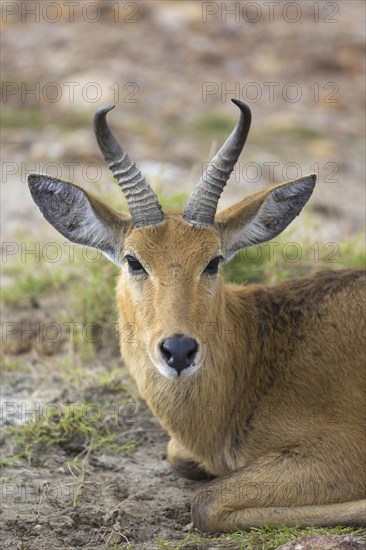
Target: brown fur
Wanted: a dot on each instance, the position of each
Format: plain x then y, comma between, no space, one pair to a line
277,406
276,411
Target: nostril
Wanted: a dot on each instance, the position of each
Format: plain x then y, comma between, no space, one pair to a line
165,351
179,352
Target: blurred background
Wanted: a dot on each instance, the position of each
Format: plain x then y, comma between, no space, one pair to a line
171,68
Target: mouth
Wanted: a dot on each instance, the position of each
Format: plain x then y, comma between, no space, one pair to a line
169,372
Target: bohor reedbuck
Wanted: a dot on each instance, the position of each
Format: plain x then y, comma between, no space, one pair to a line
261,389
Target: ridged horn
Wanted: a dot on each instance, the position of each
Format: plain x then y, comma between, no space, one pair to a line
202,203
142,201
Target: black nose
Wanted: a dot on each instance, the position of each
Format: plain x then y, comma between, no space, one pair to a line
179,352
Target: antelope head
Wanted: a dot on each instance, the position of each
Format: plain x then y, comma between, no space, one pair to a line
169,284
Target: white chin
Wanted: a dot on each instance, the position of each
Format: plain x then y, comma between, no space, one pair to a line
169,372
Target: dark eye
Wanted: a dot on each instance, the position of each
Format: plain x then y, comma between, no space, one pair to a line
134,266
213,266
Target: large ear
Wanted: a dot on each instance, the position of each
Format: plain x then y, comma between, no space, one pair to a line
79,216
263,216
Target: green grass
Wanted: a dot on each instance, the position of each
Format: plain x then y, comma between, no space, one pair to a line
287,257
274,138
283,258
93,293
352,253
85,290
174,202
211,126
29,287
79,427
10,364
265,538
32,117
268,538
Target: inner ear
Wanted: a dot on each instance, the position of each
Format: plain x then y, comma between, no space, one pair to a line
263,216
79,216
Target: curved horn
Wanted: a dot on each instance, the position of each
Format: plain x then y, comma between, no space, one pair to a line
142,201
202,204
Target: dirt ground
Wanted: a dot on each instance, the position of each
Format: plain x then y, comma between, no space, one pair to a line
171,68
130,496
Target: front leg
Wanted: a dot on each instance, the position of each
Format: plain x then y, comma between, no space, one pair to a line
181,461
279,490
